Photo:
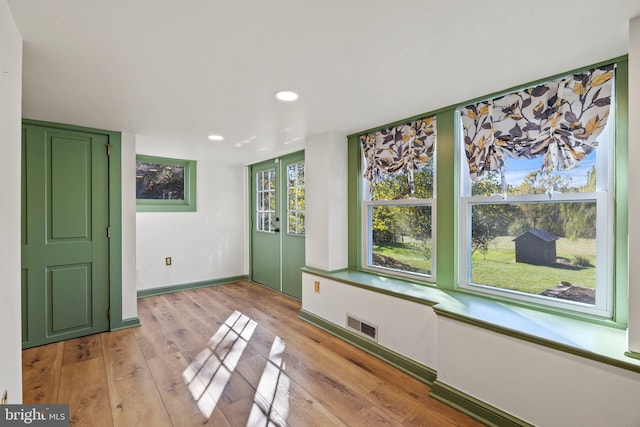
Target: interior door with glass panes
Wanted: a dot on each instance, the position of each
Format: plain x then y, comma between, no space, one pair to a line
278,223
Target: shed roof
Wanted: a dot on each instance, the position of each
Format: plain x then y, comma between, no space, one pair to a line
539,233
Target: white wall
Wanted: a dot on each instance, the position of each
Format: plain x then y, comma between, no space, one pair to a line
10,129
128,161
205,245
540,385
326,201
406,327
634,192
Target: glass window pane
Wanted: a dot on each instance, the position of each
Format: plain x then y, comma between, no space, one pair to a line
397,187
542,248
292,223
291,199
526,177
159,181
401,238
301,228
295,197
265,200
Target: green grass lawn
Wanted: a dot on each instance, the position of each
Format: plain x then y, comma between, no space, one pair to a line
499,269
407,253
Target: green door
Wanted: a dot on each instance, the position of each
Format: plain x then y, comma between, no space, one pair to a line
65,246
265,235
278,223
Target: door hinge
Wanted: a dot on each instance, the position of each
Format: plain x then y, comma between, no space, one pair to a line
109,232
109,314
108,149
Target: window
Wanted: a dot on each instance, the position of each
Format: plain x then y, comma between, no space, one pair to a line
537,195
266,200
295,198
398,206
165,185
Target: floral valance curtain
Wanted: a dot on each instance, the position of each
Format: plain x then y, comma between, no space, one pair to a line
403,149
560,120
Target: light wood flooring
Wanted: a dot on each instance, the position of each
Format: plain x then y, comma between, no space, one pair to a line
228,355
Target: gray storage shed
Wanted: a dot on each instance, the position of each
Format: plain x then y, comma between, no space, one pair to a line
536,247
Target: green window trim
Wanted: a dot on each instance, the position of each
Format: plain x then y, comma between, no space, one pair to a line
164,205
447,209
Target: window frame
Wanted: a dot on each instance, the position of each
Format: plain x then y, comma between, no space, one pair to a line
604,196
604,295
164,205
366,231
448,233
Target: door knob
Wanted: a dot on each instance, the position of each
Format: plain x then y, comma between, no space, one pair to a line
277,230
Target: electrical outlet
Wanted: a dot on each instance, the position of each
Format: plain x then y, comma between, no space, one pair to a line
316,286
167,260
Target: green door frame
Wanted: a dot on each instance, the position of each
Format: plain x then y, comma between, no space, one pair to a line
280,163
115,215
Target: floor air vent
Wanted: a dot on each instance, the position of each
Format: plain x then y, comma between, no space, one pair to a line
366,329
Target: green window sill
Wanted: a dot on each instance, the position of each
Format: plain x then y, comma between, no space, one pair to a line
605,344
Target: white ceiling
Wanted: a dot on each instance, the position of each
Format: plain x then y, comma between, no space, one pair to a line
173,72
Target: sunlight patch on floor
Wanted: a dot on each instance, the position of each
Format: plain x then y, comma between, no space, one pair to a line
271,401
210,371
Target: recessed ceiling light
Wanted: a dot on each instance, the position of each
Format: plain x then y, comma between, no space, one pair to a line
292,140
216,137
286,95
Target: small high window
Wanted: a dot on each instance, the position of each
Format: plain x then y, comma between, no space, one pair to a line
165,185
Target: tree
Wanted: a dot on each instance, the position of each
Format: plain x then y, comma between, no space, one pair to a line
489,220
579,218
159,181
391,223
546,216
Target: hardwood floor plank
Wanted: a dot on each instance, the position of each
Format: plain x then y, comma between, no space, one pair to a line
153,339
135,399
83,385
167,373
416,389
41,373
227,355
80,349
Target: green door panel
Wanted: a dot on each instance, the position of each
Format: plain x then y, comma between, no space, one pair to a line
293,240
65,251
69,298
70,215
265,233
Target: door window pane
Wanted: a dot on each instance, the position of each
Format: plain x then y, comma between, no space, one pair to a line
295,198
265,200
